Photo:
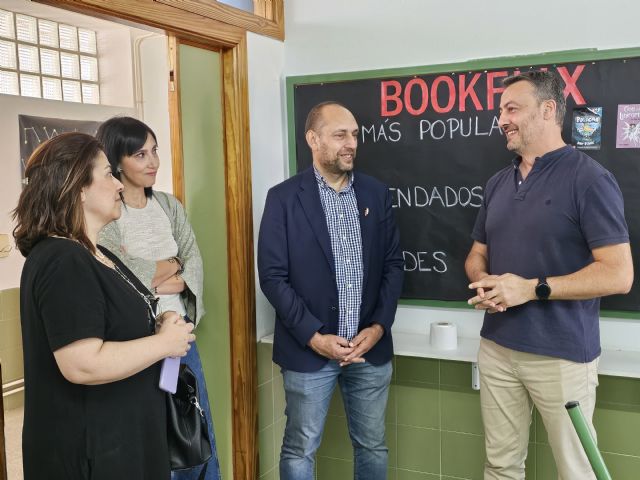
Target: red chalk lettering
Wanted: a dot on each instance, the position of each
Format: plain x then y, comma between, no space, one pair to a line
434,94
387,97
468,91
492,89
570,81
424,95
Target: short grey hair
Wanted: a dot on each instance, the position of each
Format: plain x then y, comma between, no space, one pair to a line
315,115
547,85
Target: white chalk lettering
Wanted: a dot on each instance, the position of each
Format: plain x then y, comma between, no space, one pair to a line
425,261
386,131
456,127
439,257
437,196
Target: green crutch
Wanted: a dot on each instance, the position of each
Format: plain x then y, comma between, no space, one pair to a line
588,443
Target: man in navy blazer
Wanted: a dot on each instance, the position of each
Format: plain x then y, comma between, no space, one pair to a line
329,262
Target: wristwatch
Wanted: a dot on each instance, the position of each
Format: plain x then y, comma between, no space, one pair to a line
177,260
543,290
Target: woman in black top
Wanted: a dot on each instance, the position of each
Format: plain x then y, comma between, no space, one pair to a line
93,409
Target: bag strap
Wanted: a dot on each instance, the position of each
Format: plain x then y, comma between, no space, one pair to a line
194,395
203,472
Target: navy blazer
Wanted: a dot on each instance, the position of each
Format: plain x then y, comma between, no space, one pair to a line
297,270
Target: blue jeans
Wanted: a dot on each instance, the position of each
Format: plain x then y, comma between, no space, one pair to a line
213,469
364,388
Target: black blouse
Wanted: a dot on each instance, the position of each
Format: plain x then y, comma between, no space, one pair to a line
99,432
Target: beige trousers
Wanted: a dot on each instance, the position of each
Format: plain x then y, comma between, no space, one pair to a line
511,382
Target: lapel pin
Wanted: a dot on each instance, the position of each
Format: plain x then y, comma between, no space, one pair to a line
366,211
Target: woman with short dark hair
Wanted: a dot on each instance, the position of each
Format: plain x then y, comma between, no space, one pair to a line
93,409
153,237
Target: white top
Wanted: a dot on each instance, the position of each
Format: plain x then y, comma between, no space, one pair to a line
146,233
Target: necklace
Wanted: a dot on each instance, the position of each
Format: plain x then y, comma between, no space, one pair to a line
98,255
103,259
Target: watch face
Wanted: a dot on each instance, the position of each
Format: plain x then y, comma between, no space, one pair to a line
543,291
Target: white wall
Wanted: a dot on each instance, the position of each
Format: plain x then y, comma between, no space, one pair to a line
339,36
152,99
268,155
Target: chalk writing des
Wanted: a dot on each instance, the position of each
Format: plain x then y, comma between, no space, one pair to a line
425,261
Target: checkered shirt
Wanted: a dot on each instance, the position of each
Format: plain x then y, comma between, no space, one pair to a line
341,213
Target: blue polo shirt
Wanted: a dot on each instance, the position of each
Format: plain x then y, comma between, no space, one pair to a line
547,225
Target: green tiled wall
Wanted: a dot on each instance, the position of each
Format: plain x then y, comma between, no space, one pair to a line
11,343
434,428
270,413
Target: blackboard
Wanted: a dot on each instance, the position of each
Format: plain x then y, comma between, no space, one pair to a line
35,130
432,135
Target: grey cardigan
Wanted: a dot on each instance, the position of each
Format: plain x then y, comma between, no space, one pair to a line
111,238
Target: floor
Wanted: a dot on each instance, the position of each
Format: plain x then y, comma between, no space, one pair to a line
13,437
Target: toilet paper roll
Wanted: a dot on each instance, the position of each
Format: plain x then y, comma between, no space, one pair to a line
444,336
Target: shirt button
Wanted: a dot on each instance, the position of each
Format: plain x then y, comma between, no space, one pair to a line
348,285
333,309
350,312
348,260
341,216
344,237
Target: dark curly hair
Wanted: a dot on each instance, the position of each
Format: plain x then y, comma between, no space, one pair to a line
49,204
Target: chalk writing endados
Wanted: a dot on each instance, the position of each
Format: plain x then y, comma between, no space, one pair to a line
436,196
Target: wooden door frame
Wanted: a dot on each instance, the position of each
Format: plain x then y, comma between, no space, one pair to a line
230,40
3,451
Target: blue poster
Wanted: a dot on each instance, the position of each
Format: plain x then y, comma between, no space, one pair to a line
587,128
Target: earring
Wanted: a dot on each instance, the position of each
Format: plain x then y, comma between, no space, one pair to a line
119,170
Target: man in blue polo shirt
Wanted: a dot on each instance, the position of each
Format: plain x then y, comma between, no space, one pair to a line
549,240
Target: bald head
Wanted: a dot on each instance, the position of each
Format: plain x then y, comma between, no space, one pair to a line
332,136
315,118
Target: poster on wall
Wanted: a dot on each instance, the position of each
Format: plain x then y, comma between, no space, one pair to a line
628,128
587,128
35,130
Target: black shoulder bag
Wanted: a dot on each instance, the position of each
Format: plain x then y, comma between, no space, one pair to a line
187,432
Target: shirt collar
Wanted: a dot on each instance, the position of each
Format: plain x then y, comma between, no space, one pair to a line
322,183
544,159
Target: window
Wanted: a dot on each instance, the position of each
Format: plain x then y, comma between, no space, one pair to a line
44,59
